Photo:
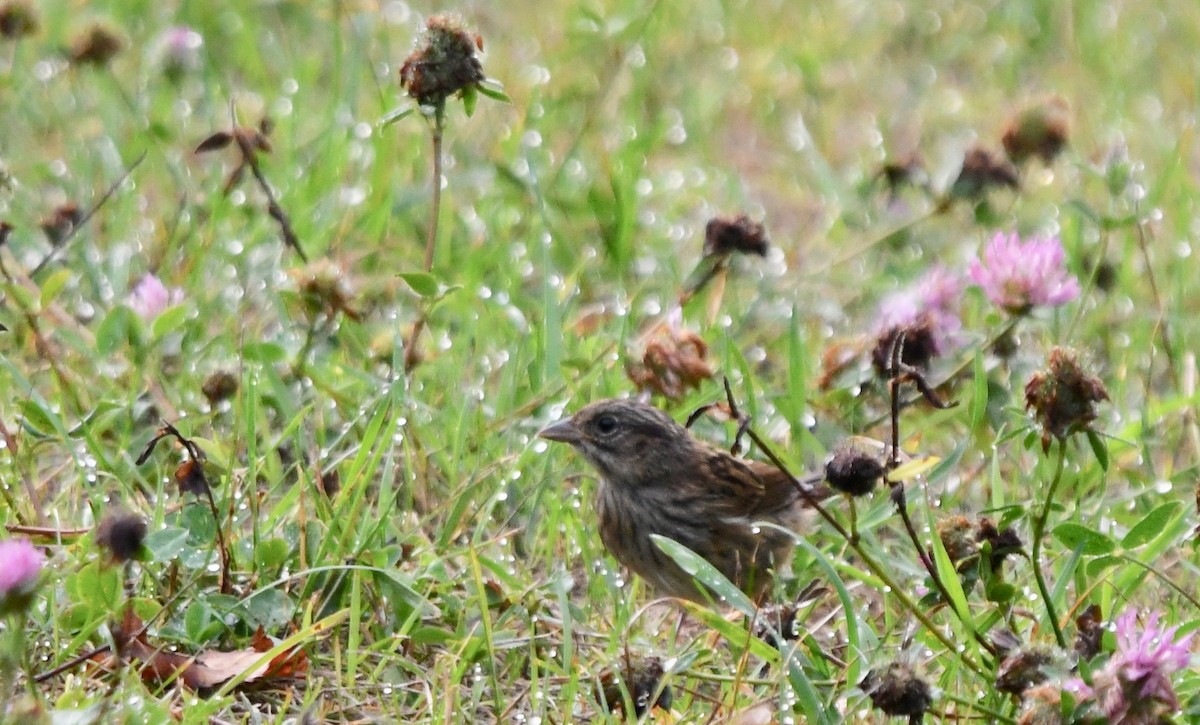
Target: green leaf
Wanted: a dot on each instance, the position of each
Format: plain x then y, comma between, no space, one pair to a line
1099,448
113,332
272,553
38,420
53,286
1088,542
979,396
396,114
267,353
169,321
422,283
470,96
491,88
1153,524
705,573
1100,563
166,544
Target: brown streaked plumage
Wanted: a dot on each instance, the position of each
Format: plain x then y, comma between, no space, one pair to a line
656,478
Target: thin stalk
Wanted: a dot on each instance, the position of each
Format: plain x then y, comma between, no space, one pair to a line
1039,529
411,358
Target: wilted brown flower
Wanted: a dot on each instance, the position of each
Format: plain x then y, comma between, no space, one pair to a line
982,171
642,677
853,471
324,288
61,221
907,170
96,45
444,64
1089,629
920,346
1040,130
726,235
1021,671
1063,397
673,361
18,18
959,536
1002,543
219,385
190,478
123,535
897,690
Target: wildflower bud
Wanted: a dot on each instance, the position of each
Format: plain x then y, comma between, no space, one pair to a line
96,45
1063,397
219,386
852,471
896,690
20,571
444,64
1020,671
1002,543
18,19
177,51
642,677
1040,130
123,535
726,235
958,535
981,172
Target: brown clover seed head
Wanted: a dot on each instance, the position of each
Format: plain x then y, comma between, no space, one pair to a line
725,235
897,690
220,385
1020,671
444,64
325,289
982,171
1089,629
920,346
190,478
96,45
643,679
1063,397
1040,130
903,170
958,536
776,624
61,221
18,18
1043,706
123,535
673,362
852,471
1003,542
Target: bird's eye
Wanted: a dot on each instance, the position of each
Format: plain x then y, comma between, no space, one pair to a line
606,424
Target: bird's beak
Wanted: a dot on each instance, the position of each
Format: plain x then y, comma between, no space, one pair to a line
564,431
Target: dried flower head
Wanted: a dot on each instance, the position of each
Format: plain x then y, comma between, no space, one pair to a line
1134,686
926,313
18,18
325,289
20,571
981,172
123,535
1089,631
1020,671
725,235
897,690
1002,543
959,536
61,222
1040,130
190,478
1042,706
642,678
1018,275
96,45
853,471
907,170
673,361
918,346
219,386
443,64
1063,397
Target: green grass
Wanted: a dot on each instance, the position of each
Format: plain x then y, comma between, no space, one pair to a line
460,562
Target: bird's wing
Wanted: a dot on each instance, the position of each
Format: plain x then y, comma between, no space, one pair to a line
780,492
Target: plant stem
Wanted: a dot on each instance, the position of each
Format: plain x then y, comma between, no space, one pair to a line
1039,529
411,358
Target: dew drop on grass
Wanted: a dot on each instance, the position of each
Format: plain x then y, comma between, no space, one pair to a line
1163,487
